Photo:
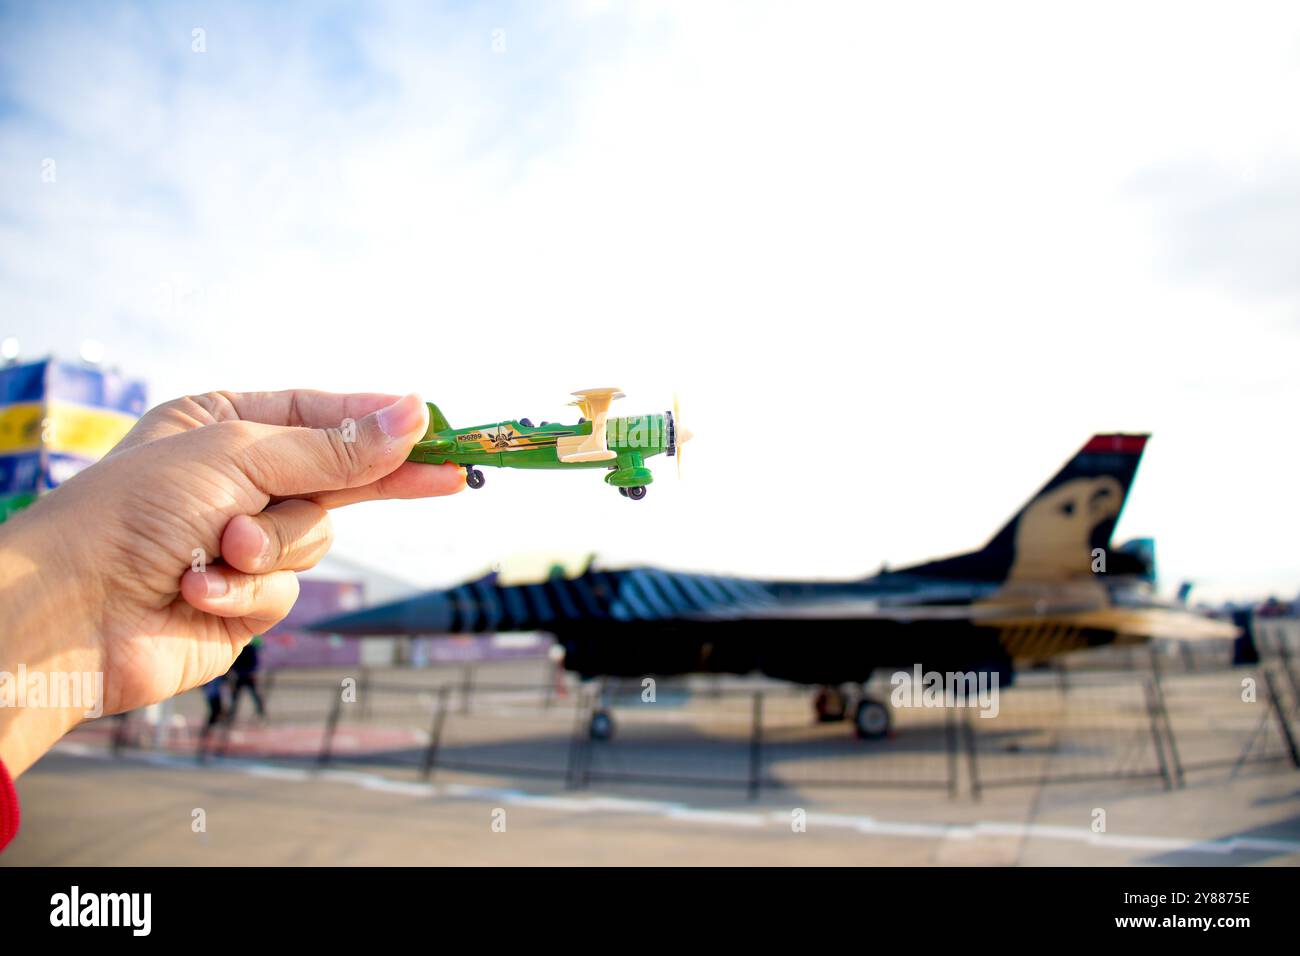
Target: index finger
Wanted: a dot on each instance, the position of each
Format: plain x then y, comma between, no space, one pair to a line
305,407
302,407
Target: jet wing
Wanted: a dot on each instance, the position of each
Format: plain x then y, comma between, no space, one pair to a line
643,595
902,611
1154,621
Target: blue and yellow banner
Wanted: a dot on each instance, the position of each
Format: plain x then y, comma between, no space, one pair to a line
62,427
22,473
55,419
20,427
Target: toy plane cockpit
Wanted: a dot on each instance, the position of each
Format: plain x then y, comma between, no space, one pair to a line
620,445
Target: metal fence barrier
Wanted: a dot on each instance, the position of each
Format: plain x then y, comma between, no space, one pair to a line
1066,724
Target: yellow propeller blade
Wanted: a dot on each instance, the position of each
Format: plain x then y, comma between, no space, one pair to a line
682,433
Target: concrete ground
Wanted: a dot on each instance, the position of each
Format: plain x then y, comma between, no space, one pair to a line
1069,772
81,806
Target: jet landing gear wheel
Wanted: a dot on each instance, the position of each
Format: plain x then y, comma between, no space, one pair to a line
830,705
474,478
602,725
872,719
636,492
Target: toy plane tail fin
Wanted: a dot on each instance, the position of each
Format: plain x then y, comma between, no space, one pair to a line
437,421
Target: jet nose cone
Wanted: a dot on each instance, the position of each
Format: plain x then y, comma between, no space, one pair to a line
684,435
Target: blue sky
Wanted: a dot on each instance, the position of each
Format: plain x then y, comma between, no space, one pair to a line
919,252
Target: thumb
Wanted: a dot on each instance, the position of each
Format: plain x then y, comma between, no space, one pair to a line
297,461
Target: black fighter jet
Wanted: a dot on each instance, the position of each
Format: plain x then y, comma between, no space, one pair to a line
1048,583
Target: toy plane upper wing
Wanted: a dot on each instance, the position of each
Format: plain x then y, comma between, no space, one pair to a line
594,403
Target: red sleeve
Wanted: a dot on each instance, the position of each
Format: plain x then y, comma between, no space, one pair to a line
8,808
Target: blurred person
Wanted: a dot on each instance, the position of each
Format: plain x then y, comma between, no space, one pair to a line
245,671
212,693
153,568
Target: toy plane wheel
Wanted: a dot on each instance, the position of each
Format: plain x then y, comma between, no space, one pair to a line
636,493
474,478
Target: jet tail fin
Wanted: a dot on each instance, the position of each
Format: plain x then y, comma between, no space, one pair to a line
1064,530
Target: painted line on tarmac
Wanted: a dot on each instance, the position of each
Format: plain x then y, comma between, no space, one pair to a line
683,813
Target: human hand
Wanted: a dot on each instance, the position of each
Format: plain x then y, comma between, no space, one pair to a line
156,565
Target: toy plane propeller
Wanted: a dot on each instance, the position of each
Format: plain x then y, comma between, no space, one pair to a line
620,445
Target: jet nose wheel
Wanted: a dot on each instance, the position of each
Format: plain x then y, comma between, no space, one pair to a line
474,478
871,720
636,493
602,725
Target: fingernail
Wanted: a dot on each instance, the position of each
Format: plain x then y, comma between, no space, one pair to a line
263,542
216,584
402,417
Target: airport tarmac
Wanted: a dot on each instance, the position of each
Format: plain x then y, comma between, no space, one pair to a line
268,803
84,807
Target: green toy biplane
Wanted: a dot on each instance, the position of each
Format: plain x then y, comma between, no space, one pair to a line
619,445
